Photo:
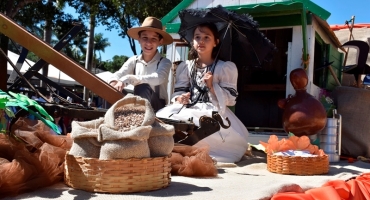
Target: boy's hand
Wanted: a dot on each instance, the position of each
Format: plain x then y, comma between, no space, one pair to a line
113,83
130,79
118,85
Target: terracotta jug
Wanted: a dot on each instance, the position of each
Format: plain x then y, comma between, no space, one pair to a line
303,114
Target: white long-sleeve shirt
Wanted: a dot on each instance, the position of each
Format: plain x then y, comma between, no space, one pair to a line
152,73
225,78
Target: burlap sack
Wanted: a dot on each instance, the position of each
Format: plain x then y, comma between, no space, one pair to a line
161,139
130,99
128,144
84,135
353,104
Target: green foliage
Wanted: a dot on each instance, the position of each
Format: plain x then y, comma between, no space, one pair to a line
22,101
76,48
125,14
327,102
115,64
33,17
113,14
100,43
31,56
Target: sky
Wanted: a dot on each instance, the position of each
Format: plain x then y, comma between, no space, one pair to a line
341,10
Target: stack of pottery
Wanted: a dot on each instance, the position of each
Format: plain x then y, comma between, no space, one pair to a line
330,137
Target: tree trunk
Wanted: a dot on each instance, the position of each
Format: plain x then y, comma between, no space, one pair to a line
4,40
47,39
89,53
132,45
3,62
130,40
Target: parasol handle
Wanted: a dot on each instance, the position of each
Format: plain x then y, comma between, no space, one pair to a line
218,52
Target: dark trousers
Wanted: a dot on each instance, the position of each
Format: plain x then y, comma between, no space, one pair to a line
145,91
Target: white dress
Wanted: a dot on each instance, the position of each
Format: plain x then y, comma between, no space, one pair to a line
226,145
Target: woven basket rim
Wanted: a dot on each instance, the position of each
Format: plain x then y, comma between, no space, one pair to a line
321,156
117,175
298,165
121,159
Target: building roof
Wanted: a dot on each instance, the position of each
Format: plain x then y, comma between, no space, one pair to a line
282,8
362,34
54,74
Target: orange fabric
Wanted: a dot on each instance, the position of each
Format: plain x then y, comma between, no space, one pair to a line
342,188
322,193
31,157
192,161
292,196
354,189
302,143
357,191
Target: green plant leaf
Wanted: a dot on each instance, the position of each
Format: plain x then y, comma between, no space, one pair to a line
9,112
290,134
3,101
50,124
316,142
31,102
24,102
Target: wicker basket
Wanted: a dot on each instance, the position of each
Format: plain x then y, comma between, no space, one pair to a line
117,176
297,165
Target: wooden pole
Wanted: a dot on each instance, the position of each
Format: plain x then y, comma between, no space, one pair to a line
43,50
349,38
334,75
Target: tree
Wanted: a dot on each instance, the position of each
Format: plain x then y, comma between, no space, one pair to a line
100,43
10,8
89,9
115,64
76,49
131,13
34,15
121,14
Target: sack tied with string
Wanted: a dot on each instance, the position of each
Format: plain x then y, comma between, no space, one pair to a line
85,135
126,129
161,139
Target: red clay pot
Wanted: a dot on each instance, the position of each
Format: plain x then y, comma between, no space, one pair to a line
303,113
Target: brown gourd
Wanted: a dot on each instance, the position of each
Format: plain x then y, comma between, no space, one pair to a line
303,113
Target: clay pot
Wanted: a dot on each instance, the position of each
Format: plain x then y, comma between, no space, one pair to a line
303,114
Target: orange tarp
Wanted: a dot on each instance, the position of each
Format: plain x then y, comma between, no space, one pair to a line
354,189
338,27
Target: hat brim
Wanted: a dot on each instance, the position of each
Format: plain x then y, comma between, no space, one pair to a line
134,33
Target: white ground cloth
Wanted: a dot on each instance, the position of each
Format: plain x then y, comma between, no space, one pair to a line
249,180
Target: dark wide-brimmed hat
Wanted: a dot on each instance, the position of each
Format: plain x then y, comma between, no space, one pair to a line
150,24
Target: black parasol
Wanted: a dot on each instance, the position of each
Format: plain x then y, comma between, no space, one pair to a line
241,40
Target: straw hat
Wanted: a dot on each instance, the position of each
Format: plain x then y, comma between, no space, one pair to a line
150,24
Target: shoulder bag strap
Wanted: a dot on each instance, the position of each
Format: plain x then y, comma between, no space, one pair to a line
135,65
156,88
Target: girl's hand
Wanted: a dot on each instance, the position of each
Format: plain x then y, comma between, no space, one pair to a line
208,79
184,98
